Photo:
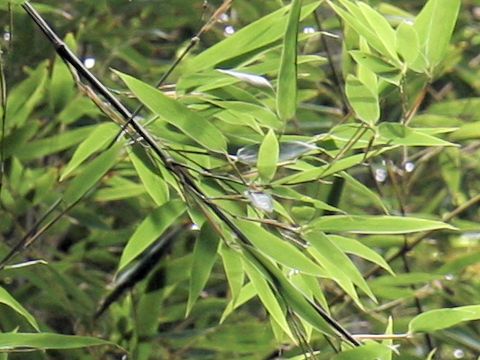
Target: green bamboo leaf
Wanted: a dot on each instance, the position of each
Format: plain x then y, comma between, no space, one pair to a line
370,25
389,342
376,224
398,134
367,351
363,101
279,250
434,26
439,319
232,263
204,257
364,190
45,341
43,147
97,140
337,257
408,45
287,74
381,27
355,247
7,299
150,230
294,297
91,174
268,157
245,294
267,297
322,171
252,37
191,123
149,175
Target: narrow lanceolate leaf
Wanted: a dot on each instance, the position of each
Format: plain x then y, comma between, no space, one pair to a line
98,138
91,174
376,224
251,38
295,298
149,174
342,262
355,247
191,123
268,157
7,299
44,341
151,229
443,318
267,297
434,26
278,249
232,263
204,256
287,75
364,102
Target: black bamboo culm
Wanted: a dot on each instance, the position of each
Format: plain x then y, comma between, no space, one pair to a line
180,173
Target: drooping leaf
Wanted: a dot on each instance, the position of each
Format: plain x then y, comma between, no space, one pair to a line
151,229
337,257
267,297
7,299
204,256
355,247
278,249
150,175
91,174
98,138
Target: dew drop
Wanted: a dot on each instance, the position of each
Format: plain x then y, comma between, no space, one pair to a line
89,62
308,30
458,354
229,30
380,175
409,167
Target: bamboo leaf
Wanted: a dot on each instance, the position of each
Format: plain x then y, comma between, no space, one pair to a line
278,249
204,256
149,175
150,230
191,123
342,263
434,26
363,100
287,74
376,224
91,174
98,138
44,341
7,299
268,157
439,319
